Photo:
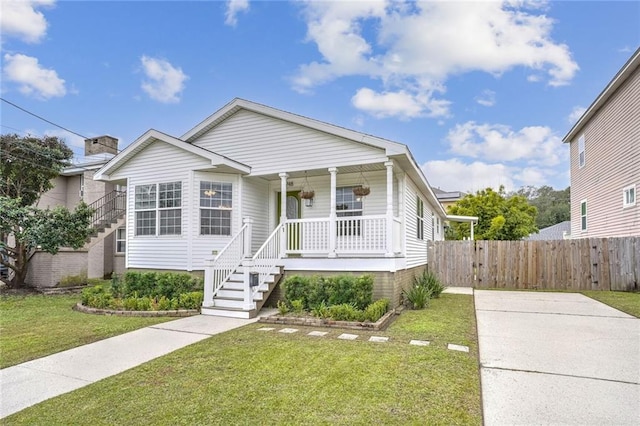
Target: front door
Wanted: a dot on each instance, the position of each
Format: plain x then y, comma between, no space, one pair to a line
293,212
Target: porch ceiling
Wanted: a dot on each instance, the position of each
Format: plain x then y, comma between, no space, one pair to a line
325,172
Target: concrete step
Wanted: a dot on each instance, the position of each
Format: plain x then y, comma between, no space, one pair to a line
229,312
236,294
220,302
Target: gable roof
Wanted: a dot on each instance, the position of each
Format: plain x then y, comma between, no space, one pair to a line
617,81
238,104
152,136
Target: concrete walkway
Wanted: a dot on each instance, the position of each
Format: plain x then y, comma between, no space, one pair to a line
557,358
27,384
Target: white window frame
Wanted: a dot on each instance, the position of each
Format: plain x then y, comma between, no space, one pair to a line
348,205
209,204
419,218
629,196
583,216
581,152
121,241
157,209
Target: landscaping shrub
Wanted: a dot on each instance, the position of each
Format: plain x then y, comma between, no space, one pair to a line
431,282
321,310
346,312
376,310
297,306
144,291
73,280
283,308
418,296
334,290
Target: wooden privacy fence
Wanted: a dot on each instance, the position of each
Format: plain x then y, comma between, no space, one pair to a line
580,264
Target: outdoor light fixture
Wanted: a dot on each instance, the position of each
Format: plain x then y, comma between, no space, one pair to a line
308,202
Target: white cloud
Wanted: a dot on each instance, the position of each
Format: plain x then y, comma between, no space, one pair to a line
456,175
487,98
233,8
575,114
21,19
32,78
164,81
497,142
413,48
399,104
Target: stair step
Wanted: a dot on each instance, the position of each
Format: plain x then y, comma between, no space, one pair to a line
228,303
229,312
235,294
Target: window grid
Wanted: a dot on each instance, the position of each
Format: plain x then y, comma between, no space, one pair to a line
629,196
420,218
155,204
121,240
146,223
216,205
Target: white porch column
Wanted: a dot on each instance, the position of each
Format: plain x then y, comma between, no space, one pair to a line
283,212
333,229
389,166
207,302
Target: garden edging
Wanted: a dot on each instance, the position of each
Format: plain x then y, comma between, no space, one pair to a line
381,324
169,313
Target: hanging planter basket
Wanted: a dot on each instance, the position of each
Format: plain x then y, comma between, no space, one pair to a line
361,191
307,195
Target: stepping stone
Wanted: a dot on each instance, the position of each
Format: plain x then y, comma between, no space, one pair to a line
378,339
289,330
318,333
460,348
346,336
266,329
419,342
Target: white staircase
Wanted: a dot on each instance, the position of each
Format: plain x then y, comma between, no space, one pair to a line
229,299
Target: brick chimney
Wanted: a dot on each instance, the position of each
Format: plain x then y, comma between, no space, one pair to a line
100,145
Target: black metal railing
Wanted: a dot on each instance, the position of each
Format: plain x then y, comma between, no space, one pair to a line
108,209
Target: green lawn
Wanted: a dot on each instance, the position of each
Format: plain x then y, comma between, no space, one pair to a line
35,325
247,376
621,300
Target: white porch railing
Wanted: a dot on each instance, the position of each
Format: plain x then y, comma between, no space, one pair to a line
307,236
220,268
266,258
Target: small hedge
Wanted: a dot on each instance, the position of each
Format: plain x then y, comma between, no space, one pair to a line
341,298
146,291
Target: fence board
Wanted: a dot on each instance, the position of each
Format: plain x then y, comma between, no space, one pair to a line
580,264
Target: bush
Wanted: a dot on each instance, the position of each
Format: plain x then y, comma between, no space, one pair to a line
335,290
191,300
376,310
345,312
321,310
96,297
283,308
297,306
418,296
431,282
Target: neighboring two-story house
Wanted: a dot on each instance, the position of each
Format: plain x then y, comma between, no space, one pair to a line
605,160
104,252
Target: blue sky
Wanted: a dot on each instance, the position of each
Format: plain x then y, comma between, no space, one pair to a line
481,92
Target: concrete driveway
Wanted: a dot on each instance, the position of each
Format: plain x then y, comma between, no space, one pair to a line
557,358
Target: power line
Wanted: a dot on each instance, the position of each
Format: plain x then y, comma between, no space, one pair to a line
51,122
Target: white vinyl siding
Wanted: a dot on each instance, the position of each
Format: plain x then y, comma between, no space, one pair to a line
270,145
416,249
613,138
255,196
629,196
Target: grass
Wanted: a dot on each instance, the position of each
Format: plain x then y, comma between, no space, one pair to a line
33,326
248,376
624,301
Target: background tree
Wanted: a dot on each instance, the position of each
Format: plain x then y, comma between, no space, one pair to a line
554,206
500,217
27,167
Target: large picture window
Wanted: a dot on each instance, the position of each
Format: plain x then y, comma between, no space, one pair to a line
347,205
163,201
216,205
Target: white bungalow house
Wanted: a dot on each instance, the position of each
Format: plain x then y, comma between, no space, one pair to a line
211,200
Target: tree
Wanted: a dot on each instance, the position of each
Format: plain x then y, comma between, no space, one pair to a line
500,217
27,167
554,206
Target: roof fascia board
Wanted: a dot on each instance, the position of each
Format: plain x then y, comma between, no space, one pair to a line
627,69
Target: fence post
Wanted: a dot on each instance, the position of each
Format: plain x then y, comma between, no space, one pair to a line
207,301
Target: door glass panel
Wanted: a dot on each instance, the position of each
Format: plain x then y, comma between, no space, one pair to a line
292,207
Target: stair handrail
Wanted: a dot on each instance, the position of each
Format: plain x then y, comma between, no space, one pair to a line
107,208
220,268
266,258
